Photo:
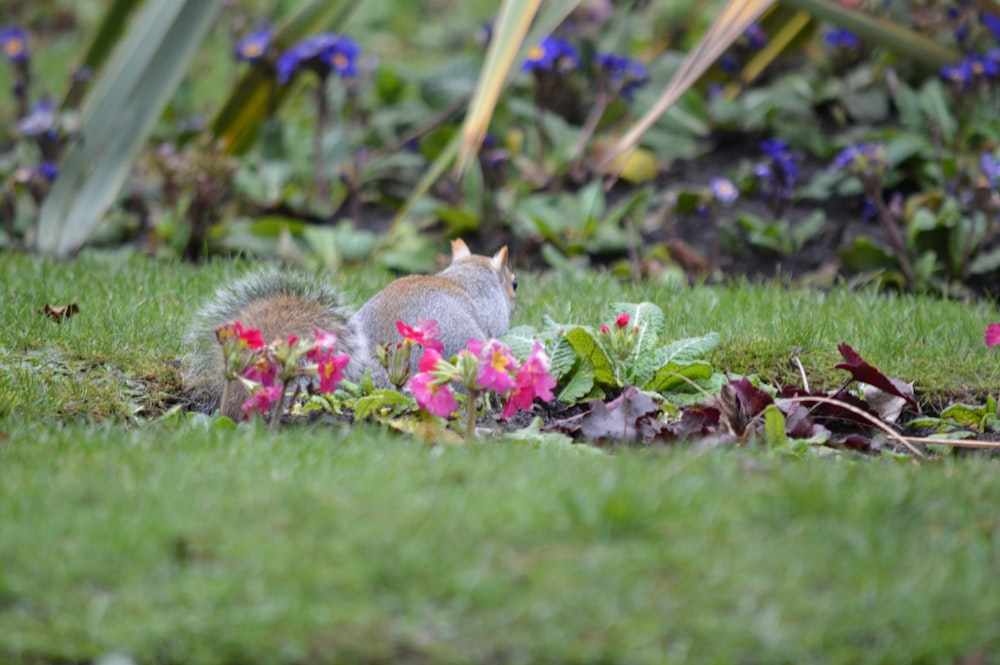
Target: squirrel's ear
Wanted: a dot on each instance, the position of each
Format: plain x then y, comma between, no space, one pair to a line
459,250
499,260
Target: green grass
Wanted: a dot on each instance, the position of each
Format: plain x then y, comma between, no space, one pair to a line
116,358
176,543
196,546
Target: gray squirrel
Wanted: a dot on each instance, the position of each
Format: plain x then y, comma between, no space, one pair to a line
473,298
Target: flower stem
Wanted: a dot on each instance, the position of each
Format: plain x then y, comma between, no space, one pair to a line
875,192
278,408
225,397
322,111
470,414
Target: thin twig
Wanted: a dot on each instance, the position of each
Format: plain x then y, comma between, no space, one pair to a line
853,409
802,370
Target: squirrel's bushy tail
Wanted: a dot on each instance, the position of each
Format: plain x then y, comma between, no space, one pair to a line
279,303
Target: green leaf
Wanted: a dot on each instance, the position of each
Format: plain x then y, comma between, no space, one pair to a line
648,318
985,263
377,401
934,102
556,442
670,377
864,254
521,340
117,117
587,346
107,35
774,428
912,45
580,383
646,315
688,349
563,357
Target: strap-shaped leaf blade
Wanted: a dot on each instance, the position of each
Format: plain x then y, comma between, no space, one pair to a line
117,117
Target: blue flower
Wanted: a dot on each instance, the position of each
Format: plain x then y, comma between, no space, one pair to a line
626,74
41,120
253,47
326,52
551,54
841,38
14,44
724,190
991,168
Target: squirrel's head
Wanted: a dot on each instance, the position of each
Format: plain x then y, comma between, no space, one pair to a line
498,264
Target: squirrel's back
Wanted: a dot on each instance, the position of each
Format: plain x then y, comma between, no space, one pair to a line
278,303
472,298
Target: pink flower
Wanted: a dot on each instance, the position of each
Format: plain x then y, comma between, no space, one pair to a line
605,330
992,335
424,333
496,364
329,367
249,338
622,320
331,372
261,401
533,380
264,371
431,394
429,360
324,340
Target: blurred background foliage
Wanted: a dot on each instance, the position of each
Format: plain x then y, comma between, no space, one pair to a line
829,139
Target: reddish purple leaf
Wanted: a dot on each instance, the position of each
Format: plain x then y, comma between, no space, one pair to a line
865,373
619,419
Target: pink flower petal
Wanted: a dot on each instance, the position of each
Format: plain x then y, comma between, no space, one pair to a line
992,334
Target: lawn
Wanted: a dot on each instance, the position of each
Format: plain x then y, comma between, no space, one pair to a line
174,541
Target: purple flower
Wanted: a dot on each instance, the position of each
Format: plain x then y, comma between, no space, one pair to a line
992,23
48,170
551,54
841,38
253,47
756,36
783,158
991,168
324,53
729,63
724,190
960,73
777,173
14,44
861,157
41,120
343,57
625,74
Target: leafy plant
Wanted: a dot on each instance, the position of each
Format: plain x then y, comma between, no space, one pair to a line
630,349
